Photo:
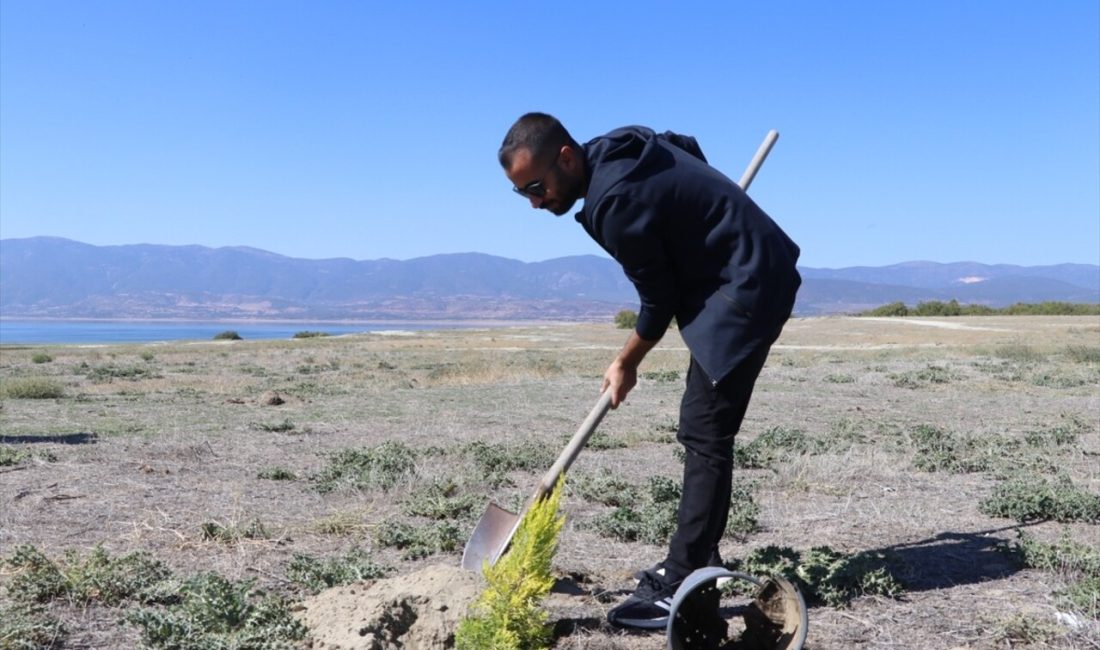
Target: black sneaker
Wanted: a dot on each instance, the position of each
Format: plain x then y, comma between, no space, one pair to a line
715,560
647,608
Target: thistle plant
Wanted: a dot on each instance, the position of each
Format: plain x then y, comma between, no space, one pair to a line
507,615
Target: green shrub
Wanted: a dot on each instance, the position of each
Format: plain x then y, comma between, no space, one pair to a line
601,441
95,578
1032,498
891,309
775,445
382,466
744,513
1025,629
825,575
41,357
28,626
507,615
924,377
9,456
953,308
420,541
307,334
604,487
1083,353
32,388
626,319
1077,563
108,373
1055,436
213,612
317,575
276,474
650,519
228,335
254,529
1019,352
440,500
147,356
279,427
661,375
494,461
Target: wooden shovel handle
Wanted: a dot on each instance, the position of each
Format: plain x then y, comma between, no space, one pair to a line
573,449
758,159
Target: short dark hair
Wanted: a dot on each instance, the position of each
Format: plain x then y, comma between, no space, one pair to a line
539,133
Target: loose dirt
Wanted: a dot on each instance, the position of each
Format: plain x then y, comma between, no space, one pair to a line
418,610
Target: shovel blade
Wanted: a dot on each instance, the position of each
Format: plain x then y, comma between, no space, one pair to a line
490,538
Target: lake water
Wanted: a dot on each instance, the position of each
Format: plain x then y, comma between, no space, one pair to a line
41,332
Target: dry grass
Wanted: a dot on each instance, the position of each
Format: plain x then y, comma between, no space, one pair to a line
148,443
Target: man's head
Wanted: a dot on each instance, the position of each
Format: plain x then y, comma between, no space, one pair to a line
544,163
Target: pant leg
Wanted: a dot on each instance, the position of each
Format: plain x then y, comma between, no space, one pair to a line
710,416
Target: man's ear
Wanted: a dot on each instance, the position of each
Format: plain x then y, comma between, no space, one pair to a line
569,159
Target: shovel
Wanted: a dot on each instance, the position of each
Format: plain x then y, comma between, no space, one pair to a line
496,527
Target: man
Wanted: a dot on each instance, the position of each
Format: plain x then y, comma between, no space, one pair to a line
697,248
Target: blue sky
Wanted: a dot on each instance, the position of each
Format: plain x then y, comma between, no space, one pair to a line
934,130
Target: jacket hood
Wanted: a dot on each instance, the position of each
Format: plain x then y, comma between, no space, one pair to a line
629,154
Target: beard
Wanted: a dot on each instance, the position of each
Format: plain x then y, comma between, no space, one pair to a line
569,191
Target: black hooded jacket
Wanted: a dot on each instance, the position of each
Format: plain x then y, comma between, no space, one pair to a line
693,243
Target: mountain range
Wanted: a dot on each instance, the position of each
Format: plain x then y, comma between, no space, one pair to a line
60,278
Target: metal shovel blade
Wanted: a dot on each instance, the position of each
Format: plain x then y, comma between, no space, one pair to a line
496,527
490,538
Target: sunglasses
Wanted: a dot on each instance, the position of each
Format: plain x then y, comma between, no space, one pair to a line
537,189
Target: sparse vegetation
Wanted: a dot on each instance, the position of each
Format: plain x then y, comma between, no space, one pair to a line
953,308
143,460
649,515
308,334
440,500
232,533
285,426
29,626
9,456
32,388
774,445
825,575
94,578
211,611
495,460
316,574
1083,353
110,372
421,540
276,474
931,374
382,466
1035,498
626,319
1078,564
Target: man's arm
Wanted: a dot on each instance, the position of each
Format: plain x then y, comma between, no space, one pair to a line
622,374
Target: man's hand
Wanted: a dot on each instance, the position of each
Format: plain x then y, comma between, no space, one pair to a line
622,374
619,379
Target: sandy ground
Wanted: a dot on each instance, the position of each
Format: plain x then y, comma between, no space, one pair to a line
140,462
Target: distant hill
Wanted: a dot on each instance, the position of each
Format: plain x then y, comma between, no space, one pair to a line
53,277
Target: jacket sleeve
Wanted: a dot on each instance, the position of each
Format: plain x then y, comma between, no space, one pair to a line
631,232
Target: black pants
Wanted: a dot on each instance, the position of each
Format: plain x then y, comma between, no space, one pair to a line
710,415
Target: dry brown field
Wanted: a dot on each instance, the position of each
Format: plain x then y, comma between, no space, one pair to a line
148,443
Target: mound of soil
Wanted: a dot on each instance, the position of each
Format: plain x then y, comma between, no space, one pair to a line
416,610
